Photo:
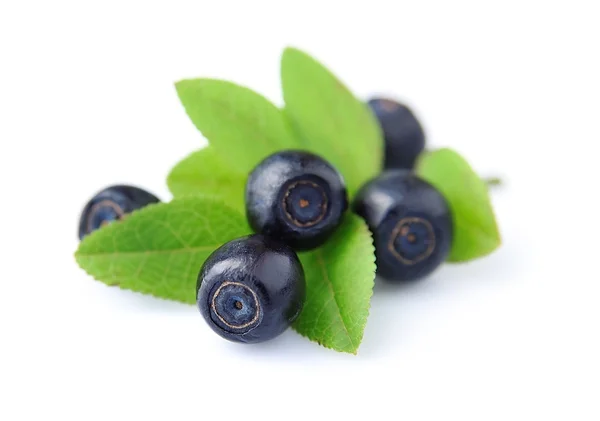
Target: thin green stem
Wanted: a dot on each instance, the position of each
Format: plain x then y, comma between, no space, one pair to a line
493,181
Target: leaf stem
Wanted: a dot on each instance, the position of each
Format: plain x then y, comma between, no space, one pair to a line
493,181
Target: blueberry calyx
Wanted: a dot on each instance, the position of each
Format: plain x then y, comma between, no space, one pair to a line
235,307
305,201
412,240
102,213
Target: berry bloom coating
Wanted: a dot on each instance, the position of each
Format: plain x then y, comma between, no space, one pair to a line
112,204
411,224
251,289
296,197
404,136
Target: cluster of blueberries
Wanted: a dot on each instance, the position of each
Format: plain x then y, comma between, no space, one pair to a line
252,288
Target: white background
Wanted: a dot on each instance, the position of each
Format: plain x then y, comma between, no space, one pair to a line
87,100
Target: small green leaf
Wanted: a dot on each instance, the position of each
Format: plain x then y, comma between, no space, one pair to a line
239,123
160,249
339,280
475,231
205,173
331,121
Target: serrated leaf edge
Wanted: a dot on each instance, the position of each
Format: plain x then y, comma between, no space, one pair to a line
78,256
355,347
118,284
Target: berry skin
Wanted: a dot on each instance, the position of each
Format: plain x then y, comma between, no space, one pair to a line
251,289
111,204
411,224
404,136
296,197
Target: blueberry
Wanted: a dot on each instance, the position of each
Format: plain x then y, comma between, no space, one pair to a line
410,221
251,289
404,136
111,204
296,197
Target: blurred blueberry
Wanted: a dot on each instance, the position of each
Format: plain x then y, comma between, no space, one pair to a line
404,136
111,204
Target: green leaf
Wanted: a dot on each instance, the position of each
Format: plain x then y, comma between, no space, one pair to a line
475,230
331,121
340,277
205,173
239,123
160,249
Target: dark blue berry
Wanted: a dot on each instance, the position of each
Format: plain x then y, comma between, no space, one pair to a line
251,289
404,136
411,224
112,204
296,197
